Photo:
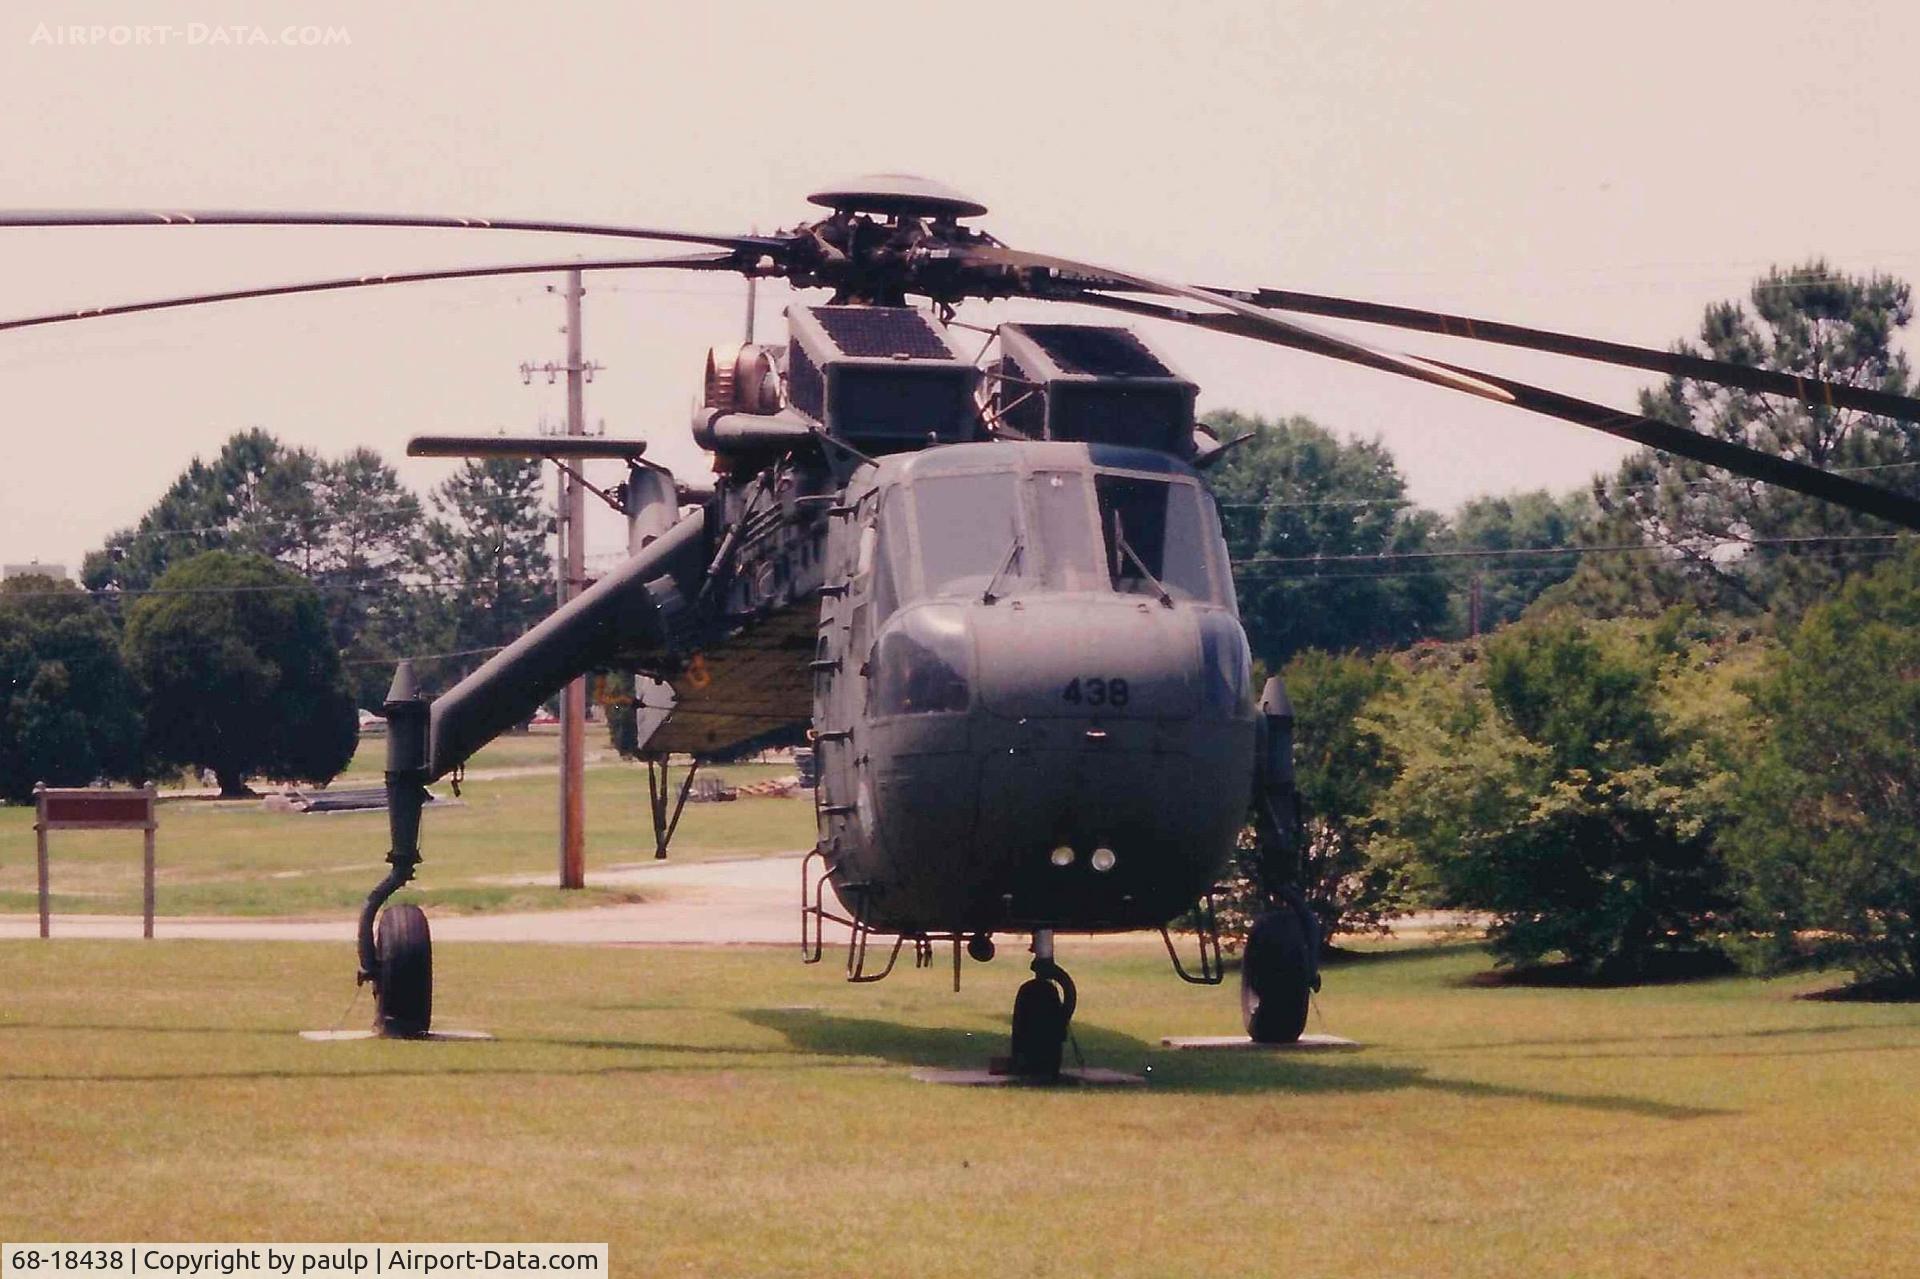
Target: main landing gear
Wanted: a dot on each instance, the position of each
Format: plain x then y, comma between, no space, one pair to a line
1042,1011
396,950
1280,971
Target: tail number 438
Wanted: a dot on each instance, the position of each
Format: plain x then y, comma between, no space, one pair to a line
1095,691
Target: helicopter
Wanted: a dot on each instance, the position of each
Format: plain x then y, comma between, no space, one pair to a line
987,587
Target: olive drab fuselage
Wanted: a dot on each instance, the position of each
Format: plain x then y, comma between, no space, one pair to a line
1032,702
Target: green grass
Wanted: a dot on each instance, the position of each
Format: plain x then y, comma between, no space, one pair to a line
677,1104
536,748
239,859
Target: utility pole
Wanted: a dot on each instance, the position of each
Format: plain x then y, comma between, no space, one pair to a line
572,527
573,703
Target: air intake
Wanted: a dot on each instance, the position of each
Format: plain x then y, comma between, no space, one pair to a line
1093,384
883,378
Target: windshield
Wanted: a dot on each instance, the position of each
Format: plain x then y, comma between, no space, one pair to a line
975,535
1166,530
970,533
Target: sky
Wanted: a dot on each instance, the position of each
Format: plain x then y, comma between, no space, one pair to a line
1605,168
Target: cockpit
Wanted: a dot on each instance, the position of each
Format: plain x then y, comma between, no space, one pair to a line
1050,525
949,534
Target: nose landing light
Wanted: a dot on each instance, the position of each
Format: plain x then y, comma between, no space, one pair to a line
1061,856
1103,859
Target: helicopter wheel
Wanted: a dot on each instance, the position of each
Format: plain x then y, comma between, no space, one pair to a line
1279,973
403,980
1042,1010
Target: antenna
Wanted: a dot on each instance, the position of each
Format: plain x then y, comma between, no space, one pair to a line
753,285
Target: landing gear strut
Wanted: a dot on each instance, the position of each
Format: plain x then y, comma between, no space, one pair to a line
1042,1011
396,952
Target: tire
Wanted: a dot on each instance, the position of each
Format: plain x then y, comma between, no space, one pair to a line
1039,1030
1277,976
403,982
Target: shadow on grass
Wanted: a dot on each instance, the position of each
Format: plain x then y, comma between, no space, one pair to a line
1881,991
1188,1072
818,1040
123,1028
1343,957
1663,970
283,1034
1681,1036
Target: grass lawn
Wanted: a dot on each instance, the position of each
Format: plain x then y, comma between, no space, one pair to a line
537,748
677,1103
239,859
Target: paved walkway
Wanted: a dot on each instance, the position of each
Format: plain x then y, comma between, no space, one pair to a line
745,901
753,900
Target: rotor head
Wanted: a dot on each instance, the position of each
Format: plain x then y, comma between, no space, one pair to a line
897,195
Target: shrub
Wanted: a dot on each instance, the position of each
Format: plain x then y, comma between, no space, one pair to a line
1828,841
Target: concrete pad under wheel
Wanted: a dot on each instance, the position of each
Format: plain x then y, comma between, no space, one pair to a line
982,1078
1229,1043
436,1036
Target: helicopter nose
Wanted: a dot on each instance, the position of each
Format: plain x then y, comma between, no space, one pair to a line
1093,660
1061,761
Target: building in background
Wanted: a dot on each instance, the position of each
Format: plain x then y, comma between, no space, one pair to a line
34,569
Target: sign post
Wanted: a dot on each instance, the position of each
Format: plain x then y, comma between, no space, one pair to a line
86,809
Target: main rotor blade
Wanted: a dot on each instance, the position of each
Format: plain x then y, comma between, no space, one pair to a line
1808,390
689,262
1738,458
254,217
1273,328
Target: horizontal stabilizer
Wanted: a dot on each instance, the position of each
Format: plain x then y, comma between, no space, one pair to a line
523,446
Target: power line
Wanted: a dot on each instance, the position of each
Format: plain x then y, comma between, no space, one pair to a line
1509,571
423,657
1490,553
304,584
1647,487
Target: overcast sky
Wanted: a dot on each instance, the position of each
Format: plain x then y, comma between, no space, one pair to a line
1608,168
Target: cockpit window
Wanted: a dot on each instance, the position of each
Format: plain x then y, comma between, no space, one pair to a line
1155,532
970,534
889,563
1069,549
1001,533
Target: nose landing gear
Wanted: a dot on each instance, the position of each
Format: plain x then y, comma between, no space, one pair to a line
1042,1011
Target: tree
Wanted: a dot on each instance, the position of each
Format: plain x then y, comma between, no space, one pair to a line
1572,785
68,710
242,676
1828,839
371,524
1293,494
486,549
1809,320
1506,585
346,523
1341,770
257,496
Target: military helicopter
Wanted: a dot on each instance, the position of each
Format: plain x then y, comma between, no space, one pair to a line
988,589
